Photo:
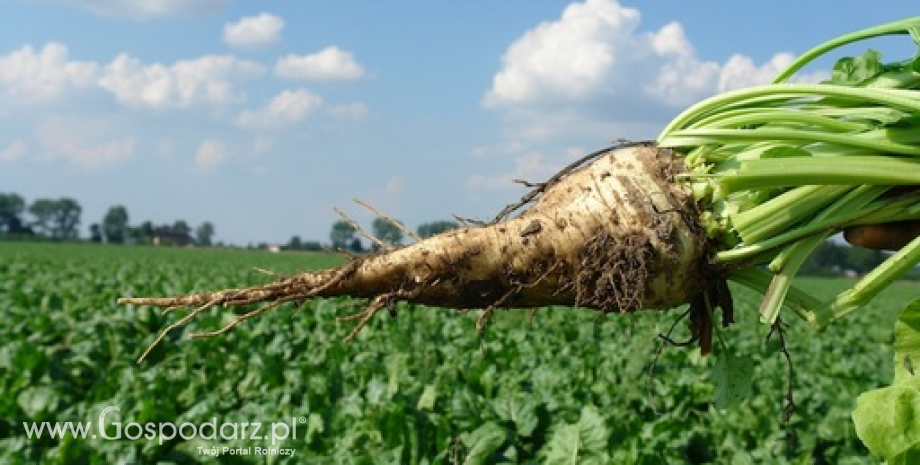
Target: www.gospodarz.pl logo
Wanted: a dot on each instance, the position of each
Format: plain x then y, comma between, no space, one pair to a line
165,431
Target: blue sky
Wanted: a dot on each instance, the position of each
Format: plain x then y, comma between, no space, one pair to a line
262,116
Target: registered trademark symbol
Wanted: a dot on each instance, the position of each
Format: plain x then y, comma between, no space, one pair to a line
302,420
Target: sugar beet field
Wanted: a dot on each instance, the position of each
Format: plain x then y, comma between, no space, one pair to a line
565,386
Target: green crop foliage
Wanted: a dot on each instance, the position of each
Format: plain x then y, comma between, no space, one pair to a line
420,388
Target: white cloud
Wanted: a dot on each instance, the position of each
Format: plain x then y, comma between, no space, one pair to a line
570,58
147,9
210,154
82,143
287,107
331,63
254,31
740,71
209,79
13,151
681,78
350,111
30,75
593,75
596,53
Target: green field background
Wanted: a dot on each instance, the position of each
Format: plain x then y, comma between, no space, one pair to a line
418,387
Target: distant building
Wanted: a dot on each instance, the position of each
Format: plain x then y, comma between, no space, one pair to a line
168,236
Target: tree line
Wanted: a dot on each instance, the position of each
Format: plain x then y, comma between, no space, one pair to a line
831,258
344,236
59,219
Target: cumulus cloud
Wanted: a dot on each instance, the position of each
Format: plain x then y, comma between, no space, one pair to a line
254,31
331,63
595,53
209,79
30,75
594,75
680,76
570,58
147,9
211,153
287,107
82,143
740,71
683,78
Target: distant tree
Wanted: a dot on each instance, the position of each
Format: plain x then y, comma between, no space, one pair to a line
343,234
295,243
182,231
95,233
863,260
828,257
386,231
144,232
436,227
312,246
132,235
115,225
42,210
11,208
356,246
67,218
205,233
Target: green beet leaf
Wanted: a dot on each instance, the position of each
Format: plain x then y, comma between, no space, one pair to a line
38,402
483,443
733,377
888,419
855,70
519,410
907,343
583,443
427,400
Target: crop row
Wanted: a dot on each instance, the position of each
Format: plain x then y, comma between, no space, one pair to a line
420,387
